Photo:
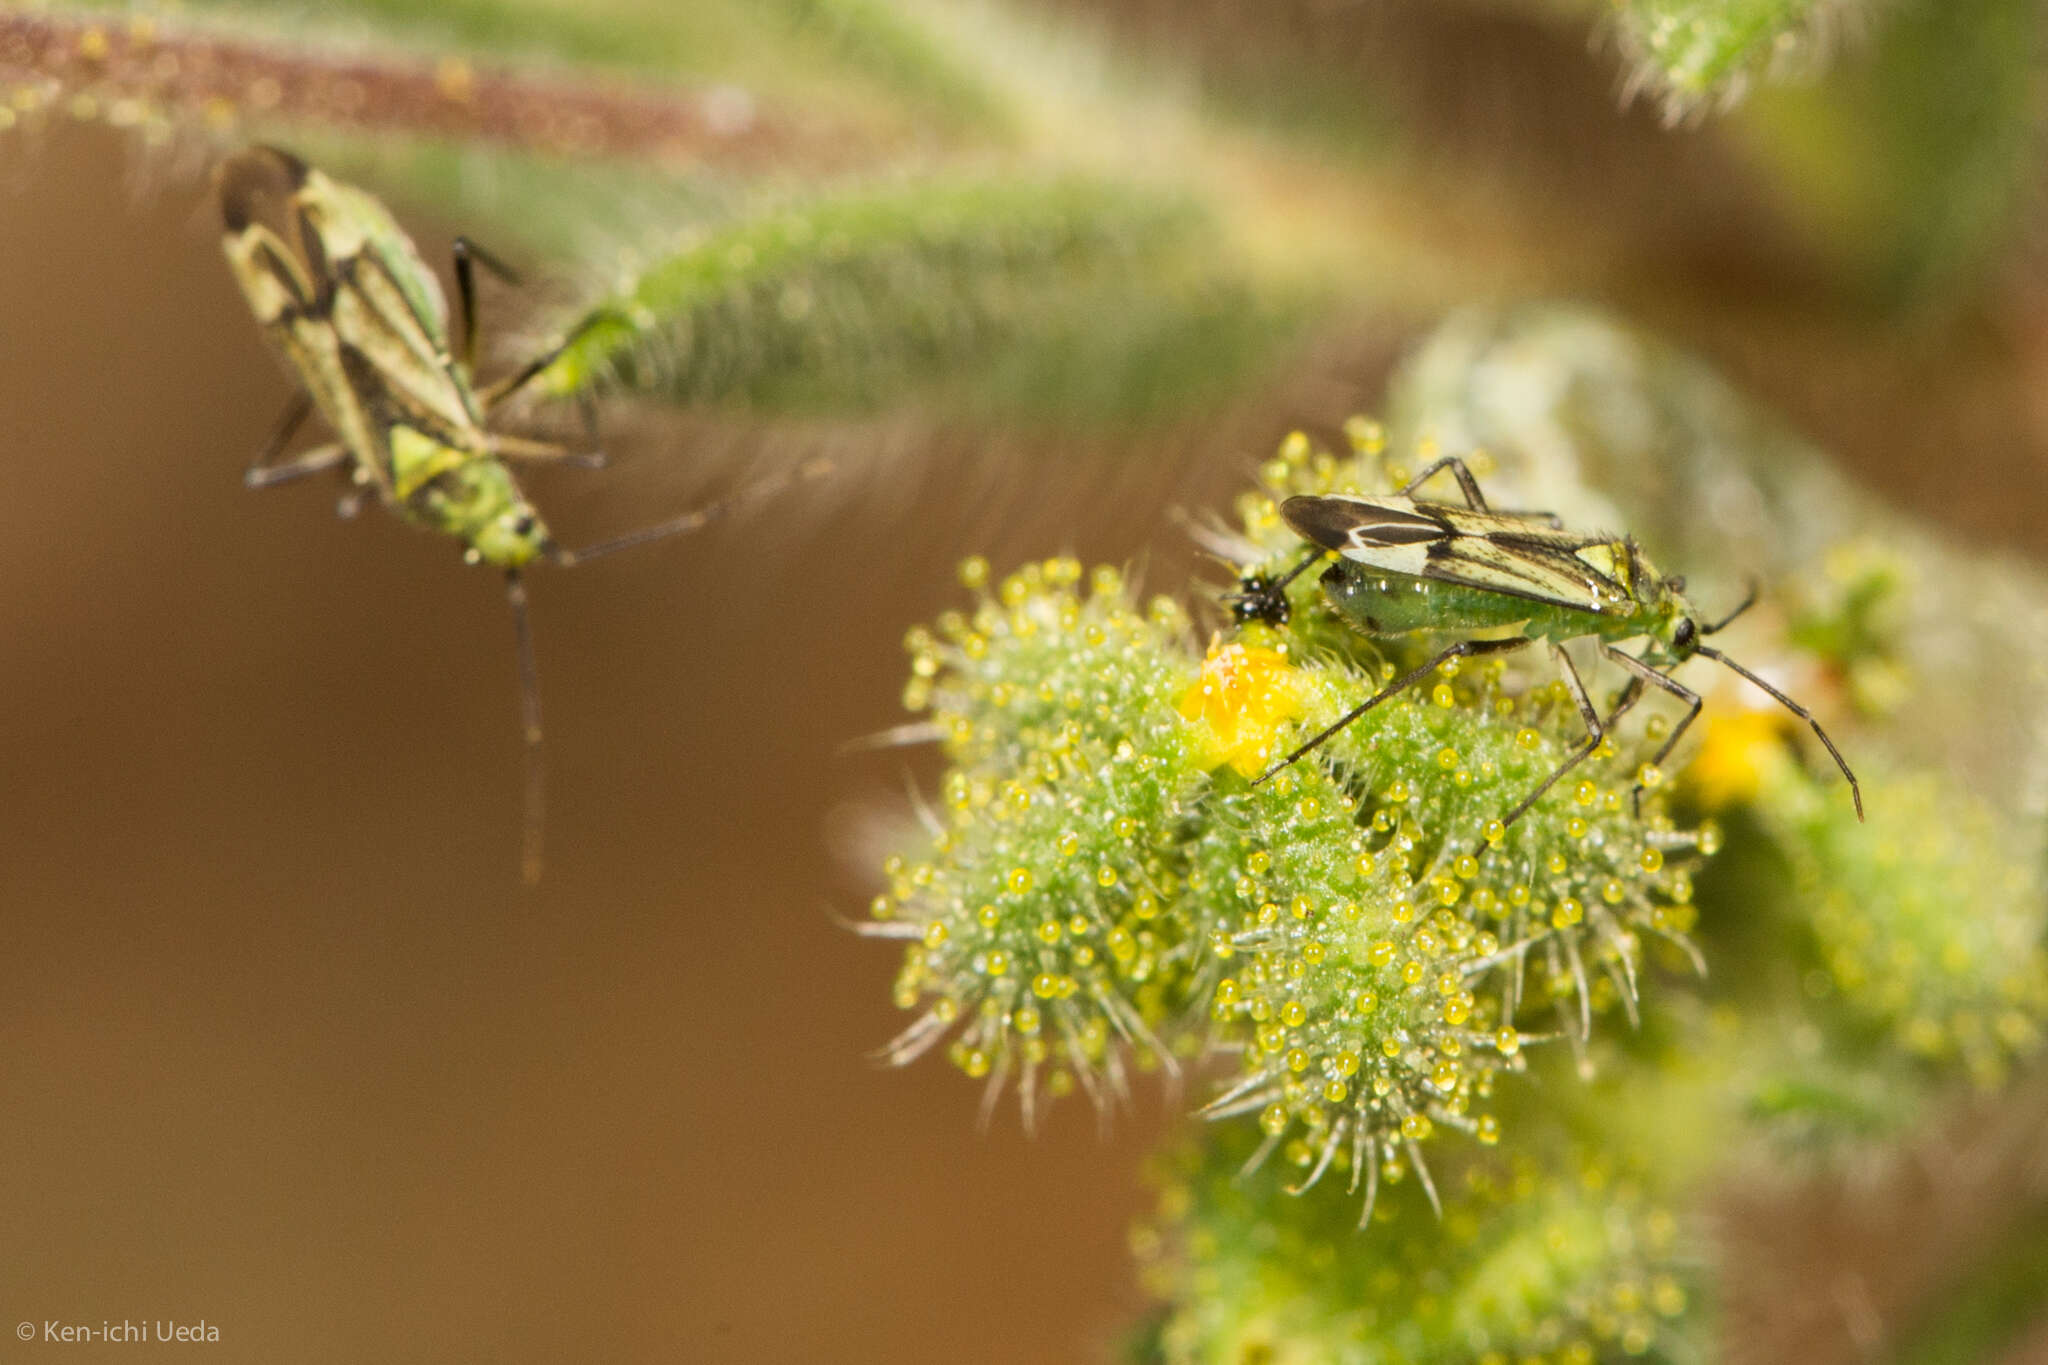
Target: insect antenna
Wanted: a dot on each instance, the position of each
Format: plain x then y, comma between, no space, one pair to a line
1263,599
529,724
1726,621
1279,584
702,516
1855,790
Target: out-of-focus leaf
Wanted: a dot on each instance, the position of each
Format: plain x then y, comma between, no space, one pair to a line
1068,295
1916,160
1696,51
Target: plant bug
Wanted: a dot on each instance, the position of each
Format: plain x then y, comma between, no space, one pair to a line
361,323
1407,565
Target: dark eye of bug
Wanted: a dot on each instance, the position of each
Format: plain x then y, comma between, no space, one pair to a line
523,526
1685,634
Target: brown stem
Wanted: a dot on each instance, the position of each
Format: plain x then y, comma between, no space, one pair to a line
98,66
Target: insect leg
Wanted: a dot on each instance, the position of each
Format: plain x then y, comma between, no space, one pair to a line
468,255
496,393
1470,485
541,452
1855,791
702,516
1646,674
287,425
1595,730
1473,498
311,462
529,722
1463,649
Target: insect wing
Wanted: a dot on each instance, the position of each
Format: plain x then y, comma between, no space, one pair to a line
255,190
1486,551
266,245
1534,567
388,308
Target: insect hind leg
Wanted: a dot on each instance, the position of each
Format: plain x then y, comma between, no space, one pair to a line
1470,486
1473,497
1596,730
1462,649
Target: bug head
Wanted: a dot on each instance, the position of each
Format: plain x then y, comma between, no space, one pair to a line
1678,630
1259,598
1681,636
511,539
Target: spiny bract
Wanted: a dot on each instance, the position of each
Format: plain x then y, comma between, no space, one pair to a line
1104,883
1566,1262
1926,924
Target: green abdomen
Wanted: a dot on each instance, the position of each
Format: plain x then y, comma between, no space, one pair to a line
1394,604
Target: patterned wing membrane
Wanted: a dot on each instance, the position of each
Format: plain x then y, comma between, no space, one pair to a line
263,235
1355,527
1545,569
1486,551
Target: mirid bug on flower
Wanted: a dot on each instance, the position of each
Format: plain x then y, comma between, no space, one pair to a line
362,324
1406,565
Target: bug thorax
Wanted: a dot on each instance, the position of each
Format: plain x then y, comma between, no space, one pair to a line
1658,602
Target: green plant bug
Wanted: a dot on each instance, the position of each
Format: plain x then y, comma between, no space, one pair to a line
362,325
1406,565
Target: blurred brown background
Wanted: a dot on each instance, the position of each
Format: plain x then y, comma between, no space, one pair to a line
286,1049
